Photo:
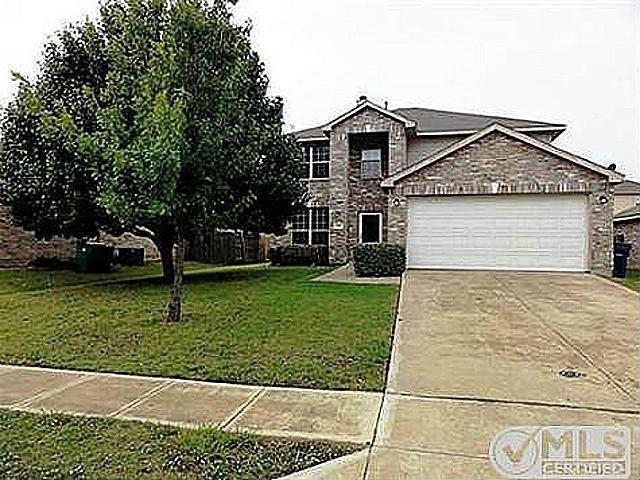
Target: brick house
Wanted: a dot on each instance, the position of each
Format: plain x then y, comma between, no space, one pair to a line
627,196
627,229
458,190
19,247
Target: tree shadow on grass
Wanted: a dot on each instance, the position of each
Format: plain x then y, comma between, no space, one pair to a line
194,278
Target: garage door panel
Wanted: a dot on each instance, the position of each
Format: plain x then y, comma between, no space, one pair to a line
532,232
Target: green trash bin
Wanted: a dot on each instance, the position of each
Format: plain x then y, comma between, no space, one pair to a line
94,258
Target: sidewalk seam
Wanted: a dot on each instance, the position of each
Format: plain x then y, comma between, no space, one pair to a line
242,408
431,452
145,396
412,396
50,393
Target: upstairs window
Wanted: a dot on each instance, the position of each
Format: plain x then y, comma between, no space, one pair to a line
310,227
316,160
371,163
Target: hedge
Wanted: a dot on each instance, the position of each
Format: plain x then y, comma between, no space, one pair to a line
379,260
299,255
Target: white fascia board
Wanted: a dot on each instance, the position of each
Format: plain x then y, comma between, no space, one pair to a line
626,219
470,132
312,139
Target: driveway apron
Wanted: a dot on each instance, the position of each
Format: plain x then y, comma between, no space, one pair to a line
477,352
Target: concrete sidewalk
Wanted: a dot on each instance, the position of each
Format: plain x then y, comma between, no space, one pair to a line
340,416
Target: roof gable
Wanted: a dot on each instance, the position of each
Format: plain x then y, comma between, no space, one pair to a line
613,177
363,105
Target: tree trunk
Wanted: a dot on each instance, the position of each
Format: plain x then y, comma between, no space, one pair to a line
174,312
165,241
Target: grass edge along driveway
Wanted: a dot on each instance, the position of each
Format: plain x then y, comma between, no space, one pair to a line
268,326
56,446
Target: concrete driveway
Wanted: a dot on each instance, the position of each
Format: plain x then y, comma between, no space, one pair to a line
477,352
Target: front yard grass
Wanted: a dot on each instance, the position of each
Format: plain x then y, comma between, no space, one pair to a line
52,447
259,326
29,280
632,280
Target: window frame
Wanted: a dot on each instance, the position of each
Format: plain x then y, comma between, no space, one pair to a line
293,230
309,231
363,161
310,149
377,214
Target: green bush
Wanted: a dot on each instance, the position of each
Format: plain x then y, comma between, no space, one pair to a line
299,255
379,260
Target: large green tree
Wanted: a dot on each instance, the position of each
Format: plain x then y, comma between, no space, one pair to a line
166,130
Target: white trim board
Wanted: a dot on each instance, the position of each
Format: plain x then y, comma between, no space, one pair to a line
627,218
559,128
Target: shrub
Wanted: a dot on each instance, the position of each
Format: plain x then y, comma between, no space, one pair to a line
299,255
52,263
379,260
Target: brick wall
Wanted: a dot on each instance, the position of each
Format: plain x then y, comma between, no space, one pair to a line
19,247
498,164
347,193
418,148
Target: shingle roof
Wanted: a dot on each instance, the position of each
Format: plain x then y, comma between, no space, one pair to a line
629,214
441,121
429,120
628,187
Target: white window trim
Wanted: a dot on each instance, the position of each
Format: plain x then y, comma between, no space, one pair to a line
323,230
362,214
310,172
309,230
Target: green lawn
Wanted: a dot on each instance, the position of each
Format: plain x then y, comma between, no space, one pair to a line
52,447
258,326
633,280
13,281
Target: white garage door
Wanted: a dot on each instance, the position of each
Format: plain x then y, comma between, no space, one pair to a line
510,232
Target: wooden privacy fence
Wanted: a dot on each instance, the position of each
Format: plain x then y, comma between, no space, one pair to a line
228,247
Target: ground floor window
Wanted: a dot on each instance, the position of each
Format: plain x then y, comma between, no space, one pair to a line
370,227
310,227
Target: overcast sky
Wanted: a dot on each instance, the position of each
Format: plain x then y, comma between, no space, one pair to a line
574,62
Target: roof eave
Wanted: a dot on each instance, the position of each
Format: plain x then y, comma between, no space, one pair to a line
324,138
626,218
555,128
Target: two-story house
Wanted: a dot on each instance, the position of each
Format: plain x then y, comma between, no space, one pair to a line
458,190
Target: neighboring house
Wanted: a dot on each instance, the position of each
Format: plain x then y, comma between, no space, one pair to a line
19,247
627,230
459,190
627,195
